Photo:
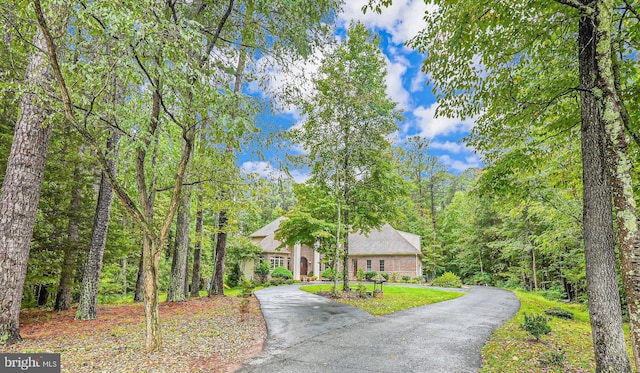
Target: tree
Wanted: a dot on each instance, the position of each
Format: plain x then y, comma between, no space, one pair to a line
348,121
21,191
513,84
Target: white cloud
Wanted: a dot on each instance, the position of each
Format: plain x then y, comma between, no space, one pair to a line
395,89
403,19
451,147
431,126
418,82
266,170
458,165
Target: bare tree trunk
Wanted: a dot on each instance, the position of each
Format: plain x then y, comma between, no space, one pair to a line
93,266
602,284
611,113
217,281
179,264
63,296
345,259
21,192
151,264
197,253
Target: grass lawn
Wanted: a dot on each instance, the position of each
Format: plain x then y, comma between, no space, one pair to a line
395,298
568,348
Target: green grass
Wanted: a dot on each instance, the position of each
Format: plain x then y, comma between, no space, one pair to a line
395,298
513,350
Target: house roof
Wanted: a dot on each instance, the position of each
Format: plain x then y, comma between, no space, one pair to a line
268,229
384,241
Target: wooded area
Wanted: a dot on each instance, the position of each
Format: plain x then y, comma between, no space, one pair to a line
120,129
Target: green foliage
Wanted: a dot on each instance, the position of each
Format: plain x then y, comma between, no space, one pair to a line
536,325
554,358
234,276
448,280
281,273
360,276
369,275
328,273
555,293
559,312
262,271
362,290
406,278
247,288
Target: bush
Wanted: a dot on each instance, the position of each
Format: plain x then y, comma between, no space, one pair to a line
233,278
481,279
328,273
406,278
369,275
554,358
247,288
282,272
559,312
385,275
536,325
261,271
362,290
447,280
360,275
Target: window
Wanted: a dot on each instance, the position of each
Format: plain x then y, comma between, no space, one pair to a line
277,261
369,265
381,265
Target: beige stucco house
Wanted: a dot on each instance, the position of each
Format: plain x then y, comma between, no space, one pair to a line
385,250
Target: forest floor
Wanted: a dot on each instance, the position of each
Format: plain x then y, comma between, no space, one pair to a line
201,335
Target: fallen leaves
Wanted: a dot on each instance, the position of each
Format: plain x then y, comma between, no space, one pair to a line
201,335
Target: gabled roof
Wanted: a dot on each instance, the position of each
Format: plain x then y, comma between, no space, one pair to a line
268,229
385,241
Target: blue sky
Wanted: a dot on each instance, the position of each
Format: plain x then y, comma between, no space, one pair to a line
406,85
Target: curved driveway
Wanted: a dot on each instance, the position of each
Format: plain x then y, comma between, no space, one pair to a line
313,334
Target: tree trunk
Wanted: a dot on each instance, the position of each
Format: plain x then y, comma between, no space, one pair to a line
345,258
602,284
21,192
63,296
197,253
93,266
620,166
138,295
151,264
217,281
179,264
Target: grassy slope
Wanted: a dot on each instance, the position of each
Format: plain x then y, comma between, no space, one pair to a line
512,350
395,298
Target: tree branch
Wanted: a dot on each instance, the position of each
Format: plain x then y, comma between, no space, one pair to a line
578,5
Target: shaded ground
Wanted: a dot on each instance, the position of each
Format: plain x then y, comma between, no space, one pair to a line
442,337
201,335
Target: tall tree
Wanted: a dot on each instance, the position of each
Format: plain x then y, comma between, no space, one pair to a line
349,119
21,190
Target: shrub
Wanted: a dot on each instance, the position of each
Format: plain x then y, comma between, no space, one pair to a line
406,278
369,275
262,270
559,312
247,288
536,325
448,280
282,272
362,290
360,275
481,279
328,273
394,277
233,278
385,275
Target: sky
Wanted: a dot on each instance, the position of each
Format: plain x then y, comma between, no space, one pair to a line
406,85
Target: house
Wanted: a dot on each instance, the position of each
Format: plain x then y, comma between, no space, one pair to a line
384,250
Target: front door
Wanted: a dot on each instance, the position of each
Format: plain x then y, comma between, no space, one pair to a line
355,267
303,266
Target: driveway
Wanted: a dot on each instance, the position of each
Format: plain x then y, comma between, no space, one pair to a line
313,334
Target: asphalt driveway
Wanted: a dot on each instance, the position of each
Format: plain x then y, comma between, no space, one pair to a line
313,334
